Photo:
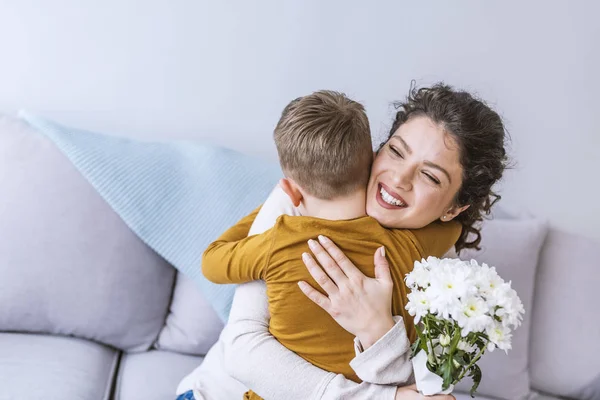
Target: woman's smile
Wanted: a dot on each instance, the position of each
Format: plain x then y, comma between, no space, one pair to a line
389,199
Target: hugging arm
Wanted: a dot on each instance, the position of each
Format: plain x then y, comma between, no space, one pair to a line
235,258
254,357
362,306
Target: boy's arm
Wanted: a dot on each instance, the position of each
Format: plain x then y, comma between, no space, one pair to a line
234,258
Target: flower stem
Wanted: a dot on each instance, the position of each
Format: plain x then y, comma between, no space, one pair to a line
477,357
430,341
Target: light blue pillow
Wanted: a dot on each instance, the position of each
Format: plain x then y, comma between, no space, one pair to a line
177,197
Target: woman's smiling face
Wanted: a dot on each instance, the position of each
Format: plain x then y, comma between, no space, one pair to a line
415,176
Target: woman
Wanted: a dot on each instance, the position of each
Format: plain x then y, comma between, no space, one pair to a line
444,153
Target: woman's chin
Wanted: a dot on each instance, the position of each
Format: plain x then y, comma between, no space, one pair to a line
385,217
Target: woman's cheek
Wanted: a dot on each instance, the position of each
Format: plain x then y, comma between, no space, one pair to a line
427,201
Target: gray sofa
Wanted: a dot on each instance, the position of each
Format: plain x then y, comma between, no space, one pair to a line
88,311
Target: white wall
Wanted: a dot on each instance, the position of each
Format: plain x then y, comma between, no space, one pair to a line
225,69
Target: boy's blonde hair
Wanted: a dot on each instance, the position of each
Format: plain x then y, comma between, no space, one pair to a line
324,144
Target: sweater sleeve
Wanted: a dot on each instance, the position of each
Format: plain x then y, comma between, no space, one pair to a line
437,238
237,261
387,361
255,358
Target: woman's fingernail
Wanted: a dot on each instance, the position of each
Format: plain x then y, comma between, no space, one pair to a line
305,257
312,244
382,251
323,239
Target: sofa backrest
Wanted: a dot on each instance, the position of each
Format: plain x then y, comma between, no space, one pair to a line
68,263
565,336
511,245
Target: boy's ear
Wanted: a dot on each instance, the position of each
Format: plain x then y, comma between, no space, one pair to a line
292,190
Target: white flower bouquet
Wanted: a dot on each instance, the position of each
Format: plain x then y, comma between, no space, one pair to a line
461,309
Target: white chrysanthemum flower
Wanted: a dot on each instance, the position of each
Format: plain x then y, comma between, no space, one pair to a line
466,347
472,315
419,277
500,337
431,262
449,283
508,307
486,278
418,305
471,297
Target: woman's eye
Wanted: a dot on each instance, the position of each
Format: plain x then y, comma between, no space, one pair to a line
396,152
431,178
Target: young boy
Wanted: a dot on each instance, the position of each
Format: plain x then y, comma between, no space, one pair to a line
324,146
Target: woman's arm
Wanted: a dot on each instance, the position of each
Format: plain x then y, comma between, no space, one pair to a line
254,357
258,360
354,291
377,364
248,343
362,306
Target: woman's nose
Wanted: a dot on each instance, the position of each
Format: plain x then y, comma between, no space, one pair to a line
403,180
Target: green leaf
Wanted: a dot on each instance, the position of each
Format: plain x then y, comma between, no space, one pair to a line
480,343
447,369
475,373
435,325
419,329
415,347
455,338
422,339
460,358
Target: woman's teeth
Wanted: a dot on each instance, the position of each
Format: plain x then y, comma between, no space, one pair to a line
391,200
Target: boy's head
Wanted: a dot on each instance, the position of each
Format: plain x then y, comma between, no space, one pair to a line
324,144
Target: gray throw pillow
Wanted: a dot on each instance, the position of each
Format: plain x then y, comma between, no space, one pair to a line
513,247
565,344
68,263
192,326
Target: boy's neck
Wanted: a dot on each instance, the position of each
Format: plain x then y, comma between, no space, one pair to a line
349,207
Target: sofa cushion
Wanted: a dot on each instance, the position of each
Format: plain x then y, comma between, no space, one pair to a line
512,246
565,345
533,396
178,197
192,325
68,263
152,375
55,368
466,396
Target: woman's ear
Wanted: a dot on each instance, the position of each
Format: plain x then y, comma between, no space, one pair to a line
292,190
453,213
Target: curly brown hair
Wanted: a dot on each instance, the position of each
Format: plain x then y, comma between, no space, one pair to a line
481,137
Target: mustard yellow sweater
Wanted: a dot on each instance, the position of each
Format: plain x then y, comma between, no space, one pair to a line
275,257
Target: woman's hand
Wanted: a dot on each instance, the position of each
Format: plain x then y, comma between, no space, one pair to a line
361,305
411,393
